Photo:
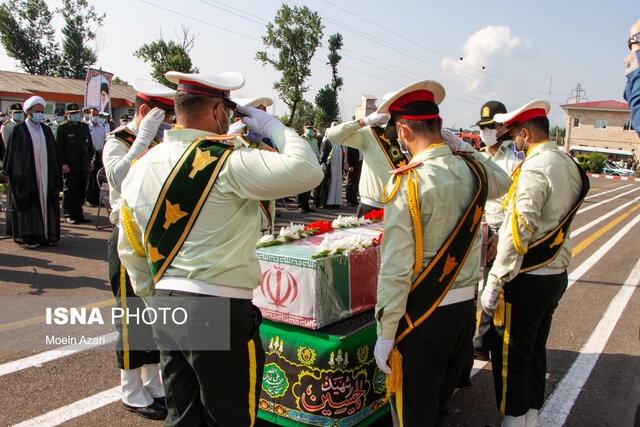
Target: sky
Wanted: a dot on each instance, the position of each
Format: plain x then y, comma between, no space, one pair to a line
512,52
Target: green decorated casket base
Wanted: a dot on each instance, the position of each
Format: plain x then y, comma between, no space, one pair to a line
325,377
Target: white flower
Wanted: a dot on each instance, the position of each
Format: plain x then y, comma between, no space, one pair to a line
286,233
266,239
296,228
351,221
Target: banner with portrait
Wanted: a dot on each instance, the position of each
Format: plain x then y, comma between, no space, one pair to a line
98,90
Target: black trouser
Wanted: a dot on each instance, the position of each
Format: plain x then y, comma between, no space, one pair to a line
481,341
129,334
353,181
93,189
73,194
364,209
212,388
519,351
433,358
303,200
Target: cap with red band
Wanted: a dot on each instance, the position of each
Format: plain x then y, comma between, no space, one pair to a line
417,101
219,85
531,110
155,92
260,103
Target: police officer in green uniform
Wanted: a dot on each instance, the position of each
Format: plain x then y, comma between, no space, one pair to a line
216,222
529,274
17,116
76,157
430,256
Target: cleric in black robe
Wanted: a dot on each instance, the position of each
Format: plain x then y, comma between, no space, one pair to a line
30,223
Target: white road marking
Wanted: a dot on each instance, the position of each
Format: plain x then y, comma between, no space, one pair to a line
47,356
74,410
584,228
559,404
595,205
577,273
609,191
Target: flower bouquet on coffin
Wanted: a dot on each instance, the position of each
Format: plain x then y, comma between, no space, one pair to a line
287,234
348,222
375,215
344,246
318,227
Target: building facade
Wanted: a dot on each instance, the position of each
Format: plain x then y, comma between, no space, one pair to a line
601,124
58,91
367,107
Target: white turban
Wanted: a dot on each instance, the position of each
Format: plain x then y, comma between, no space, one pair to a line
34,100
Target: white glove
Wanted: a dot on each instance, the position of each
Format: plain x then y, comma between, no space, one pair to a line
489,300
259,121
374,119
149,126
236,127
382,352
454,143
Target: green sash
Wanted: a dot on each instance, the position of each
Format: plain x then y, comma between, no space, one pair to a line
546,249
433,283
390,148
126,136
180,201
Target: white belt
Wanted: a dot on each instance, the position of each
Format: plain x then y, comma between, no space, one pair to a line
370,202
455,296
192,286
546,271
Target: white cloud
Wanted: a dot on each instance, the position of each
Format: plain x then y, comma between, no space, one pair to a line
488,48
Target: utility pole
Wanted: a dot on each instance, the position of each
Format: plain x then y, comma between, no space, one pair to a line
578,95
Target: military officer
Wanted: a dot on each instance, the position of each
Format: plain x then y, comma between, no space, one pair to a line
379,156
503,154
76,157
17,117
214,256
531,264
311,137
142,391
430,256
59,117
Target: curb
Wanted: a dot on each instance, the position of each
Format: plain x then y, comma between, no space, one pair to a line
623,178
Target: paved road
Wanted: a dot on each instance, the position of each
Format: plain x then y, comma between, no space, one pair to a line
593,350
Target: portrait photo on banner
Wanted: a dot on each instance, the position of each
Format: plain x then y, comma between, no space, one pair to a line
98,90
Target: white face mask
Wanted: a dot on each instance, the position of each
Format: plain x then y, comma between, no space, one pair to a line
489,136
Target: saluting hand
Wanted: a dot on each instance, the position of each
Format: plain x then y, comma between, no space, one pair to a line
259,121
375,119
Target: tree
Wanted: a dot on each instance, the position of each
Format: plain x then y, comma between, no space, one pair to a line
596,162
28,36
327,97
296,34
118,81
169,56
303,114
78,32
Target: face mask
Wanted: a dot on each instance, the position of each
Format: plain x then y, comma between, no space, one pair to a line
161,129
37,117
404,148
310,133
223,130
74,117
94,120
100,120
59,119
18,117
489,136
86,117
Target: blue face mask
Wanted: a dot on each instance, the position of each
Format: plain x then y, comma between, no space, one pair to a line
59,119
74,117
100,120
37,117
161,129
18,117
86,117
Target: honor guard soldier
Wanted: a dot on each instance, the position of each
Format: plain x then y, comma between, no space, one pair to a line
430,259
17,117
529,274
142,390
210,254
249,138
503,154
379,156
76,157
311,137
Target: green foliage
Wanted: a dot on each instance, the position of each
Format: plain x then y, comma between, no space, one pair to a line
168,56
304,113
295,34
596,162
557,130
327,97
582,158
27,36
78,32
118,81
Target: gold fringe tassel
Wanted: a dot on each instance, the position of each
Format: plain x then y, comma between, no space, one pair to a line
498,313
414,207
131,237
394,381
